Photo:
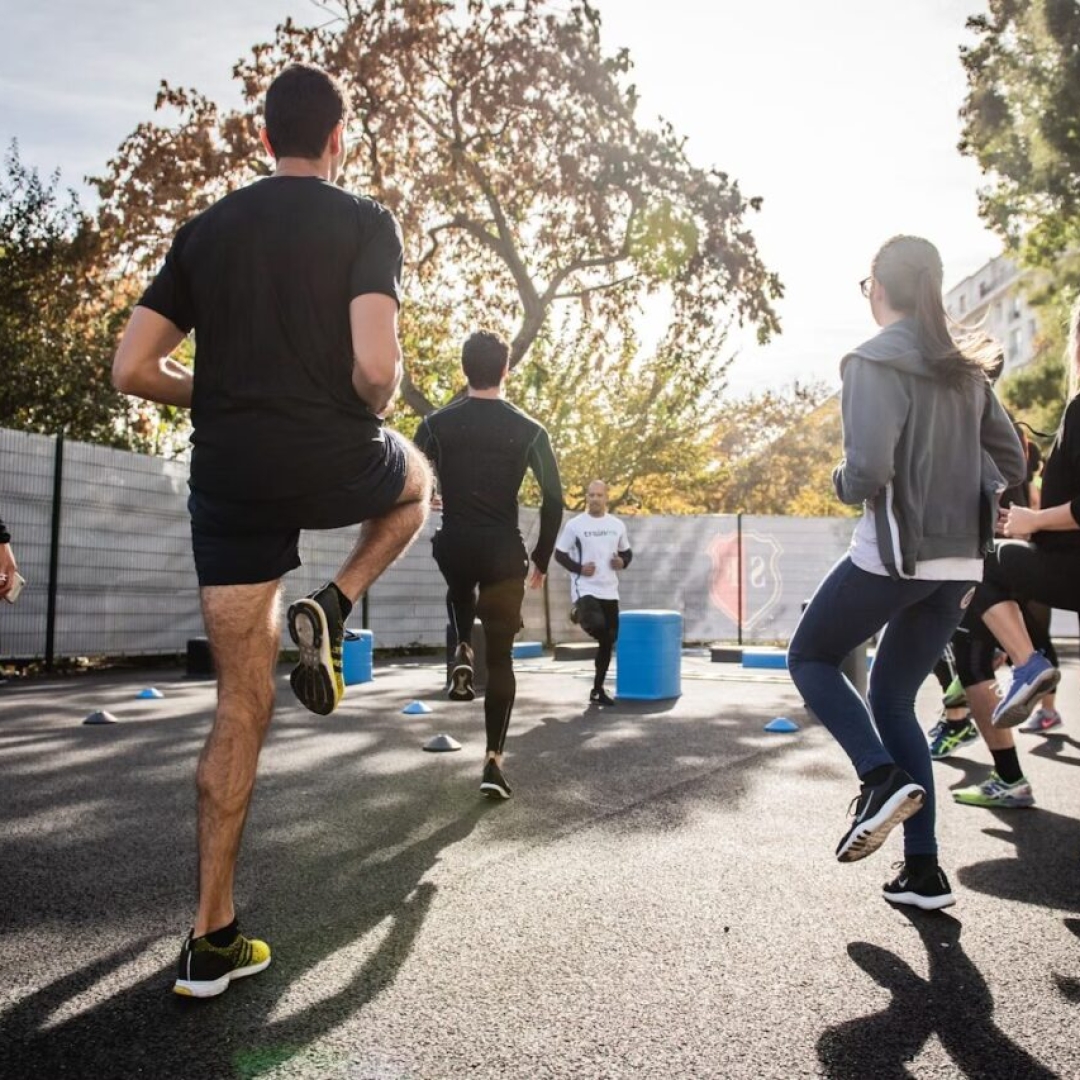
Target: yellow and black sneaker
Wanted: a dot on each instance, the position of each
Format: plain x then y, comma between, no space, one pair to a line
317,625
207,969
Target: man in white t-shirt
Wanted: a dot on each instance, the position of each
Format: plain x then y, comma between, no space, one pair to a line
594,547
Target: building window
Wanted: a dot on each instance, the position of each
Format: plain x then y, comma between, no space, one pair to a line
1014,312
961,304
1013,355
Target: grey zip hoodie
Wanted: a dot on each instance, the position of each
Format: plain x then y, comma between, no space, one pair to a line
929,461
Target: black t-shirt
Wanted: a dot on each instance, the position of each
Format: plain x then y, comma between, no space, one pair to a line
480,448
265,277
1061,478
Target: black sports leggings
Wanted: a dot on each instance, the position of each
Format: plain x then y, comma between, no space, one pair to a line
605,633
974,646
1020,570
485,576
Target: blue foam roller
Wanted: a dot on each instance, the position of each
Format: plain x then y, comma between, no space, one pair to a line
356,656
526,650
764,658
649,655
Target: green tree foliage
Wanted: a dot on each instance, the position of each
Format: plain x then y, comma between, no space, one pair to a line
532,198
1035,394
1022,125
56,337
777,452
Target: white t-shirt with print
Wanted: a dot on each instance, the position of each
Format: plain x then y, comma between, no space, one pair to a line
588,539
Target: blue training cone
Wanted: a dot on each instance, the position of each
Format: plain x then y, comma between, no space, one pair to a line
416,708
151,693
782,724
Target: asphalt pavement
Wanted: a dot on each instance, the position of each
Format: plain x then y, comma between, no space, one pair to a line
659,898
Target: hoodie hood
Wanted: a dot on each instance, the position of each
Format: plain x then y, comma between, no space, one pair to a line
896,346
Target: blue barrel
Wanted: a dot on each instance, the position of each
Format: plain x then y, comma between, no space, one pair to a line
649,655
356,653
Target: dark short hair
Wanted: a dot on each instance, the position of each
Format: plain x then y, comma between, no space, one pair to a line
303,105
483,356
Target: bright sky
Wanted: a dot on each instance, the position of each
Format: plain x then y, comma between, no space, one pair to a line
842,114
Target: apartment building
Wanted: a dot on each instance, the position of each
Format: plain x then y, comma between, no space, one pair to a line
993,300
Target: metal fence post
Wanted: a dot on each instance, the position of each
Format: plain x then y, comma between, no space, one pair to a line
54,551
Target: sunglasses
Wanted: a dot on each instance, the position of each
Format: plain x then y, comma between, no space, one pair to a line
864,286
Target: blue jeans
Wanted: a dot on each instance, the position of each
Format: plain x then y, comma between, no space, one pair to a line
851,605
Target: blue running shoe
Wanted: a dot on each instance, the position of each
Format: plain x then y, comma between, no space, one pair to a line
1033,678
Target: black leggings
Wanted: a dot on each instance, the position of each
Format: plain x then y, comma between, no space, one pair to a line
602,624
485,576
1019,570
974,646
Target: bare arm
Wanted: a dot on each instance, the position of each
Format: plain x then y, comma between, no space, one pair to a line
1019,521
377,368
143,367
8,569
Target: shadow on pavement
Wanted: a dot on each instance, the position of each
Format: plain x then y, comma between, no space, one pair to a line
1051,747
1067,984
145,1030
953,1003
349,818
1035,874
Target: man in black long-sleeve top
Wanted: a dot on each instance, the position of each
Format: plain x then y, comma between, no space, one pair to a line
481,447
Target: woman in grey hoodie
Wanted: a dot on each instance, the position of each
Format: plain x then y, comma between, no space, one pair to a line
927,449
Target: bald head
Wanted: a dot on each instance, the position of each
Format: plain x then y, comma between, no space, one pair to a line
596,496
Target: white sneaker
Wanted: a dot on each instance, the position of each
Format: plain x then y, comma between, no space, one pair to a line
1041,721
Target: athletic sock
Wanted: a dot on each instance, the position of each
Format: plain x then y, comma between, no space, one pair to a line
956,725
920,865
343,601
876,776
224,937
1007,765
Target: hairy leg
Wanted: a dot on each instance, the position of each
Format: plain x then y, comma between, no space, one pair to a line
243,626
383,539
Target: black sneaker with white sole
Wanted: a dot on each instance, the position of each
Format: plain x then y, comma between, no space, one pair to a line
317,627
461,675
599,696
877,810
928,891
493,784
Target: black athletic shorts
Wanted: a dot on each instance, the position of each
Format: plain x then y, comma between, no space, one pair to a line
237,542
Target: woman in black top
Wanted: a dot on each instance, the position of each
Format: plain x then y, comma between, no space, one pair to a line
1041,560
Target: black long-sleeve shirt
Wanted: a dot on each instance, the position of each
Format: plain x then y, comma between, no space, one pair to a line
1061,479
481,449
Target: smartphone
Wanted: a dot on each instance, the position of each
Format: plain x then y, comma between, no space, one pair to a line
13,592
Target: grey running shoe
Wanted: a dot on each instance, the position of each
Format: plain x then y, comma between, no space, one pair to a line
461,675
317,627
1042,721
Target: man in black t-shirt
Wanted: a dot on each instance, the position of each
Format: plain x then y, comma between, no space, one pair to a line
292,287
481,447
